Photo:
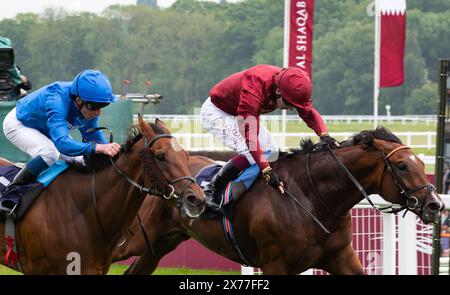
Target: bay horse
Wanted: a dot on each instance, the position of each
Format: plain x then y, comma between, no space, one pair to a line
273,232
84,210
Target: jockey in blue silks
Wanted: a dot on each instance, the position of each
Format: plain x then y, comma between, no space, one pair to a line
40,123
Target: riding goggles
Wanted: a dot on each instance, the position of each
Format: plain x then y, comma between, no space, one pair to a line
94,106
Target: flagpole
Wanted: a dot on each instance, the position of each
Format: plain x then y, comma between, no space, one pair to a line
376,78
287,25
287,17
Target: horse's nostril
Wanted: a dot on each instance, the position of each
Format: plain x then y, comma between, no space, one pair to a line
433,207
193,199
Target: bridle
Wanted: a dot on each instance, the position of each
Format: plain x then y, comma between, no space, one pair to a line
411,202
151,190
142,189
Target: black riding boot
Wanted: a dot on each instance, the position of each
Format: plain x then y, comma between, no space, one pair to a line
23,177
226,174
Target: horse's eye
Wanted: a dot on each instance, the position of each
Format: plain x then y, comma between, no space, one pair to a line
161,157
402,167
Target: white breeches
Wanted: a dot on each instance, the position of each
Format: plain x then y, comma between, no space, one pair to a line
224,127
32,141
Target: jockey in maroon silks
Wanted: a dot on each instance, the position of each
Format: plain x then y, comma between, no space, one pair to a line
232,111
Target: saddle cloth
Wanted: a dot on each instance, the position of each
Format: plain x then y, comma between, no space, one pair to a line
236,188
24,195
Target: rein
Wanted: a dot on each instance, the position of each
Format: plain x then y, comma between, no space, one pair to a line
151,190
142,189
411,201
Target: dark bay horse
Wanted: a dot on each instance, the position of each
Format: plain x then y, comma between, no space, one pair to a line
66,221
273,232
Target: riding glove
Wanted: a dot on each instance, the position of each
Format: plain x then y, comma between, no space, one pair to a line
327,139
271,178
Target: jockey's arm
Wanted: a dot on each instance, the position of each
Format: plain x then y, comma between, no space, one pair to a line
248,112
312,118
59,132
249,109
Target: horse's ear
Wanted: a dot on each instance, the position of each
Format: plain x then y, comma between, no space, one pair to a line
161,124
158,121
145,128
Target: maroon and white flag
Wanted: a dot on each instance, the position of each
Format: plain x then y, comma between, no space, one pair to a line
392,42
299,34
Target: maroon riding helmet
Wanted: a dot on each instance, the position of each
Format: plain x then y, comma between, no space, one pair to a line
294,85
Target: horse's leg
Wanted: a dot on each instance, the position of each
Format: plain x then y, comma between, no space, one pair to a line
143,265
344,262
147,262
277,267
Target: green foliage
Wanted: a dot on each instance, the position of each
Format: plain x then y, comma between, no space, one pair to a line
189,47
344,72
271,51
151,3
423,100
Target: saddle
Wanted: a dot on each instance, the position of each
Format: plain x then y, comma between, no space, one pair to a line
24,196
232,192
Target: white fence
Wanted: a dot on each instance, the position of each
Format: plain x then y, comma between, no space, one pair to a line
192,137
205,141
380,238
346,119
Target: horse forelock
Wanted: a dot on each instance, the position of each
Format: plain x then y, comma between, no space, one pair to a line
134,135
148,158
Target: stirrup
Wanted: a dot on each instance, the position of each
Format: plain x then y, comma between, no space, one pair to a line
7,210
212,204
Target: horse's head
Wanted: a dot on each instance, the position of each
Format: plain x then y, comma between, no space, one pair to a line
162,152
403,181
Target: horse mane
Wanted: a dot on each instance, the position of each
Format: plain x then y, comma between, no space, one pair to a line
99,162
365,137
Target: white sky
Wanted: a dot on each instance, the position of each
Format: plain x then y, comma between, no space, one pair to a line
9,8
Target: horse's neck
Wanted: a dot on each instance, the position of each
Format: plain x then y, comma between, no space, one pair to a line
118,201
333,185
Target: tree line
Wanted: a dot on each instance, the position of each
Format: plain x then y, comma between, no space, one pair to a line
185,49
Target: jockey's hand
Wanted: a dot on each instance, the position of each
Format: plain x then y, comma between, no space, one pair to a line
327,139
109,149
272,179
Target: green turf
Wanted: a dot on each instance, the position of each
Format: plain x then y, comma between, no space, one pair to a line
118,269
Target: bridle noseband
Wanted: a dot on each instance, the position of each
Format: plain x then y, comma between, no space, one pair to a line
151,190
147,190
411,202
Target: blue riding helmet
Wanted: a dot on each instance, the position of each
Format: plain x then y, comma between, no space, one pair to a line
93,86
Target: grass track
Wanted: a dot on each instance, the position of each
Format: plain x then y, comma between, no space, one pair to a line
118,269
